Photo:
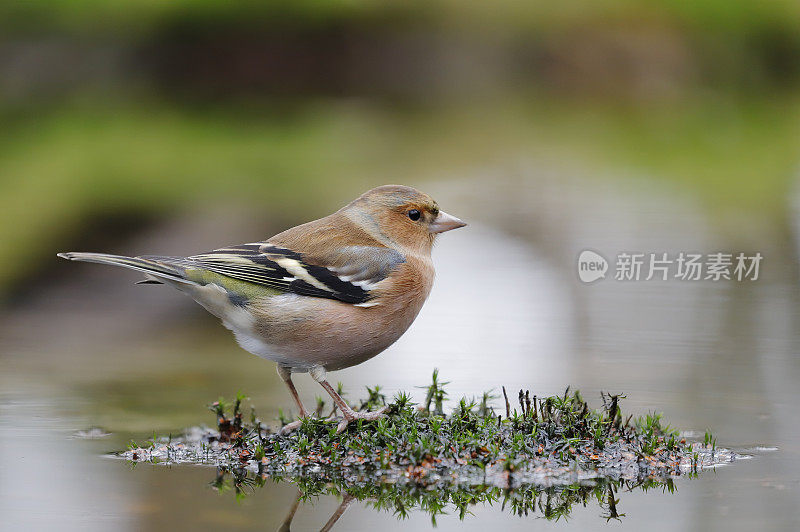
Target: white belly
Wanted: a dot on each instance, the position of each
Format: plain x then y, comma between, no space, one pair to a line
257,346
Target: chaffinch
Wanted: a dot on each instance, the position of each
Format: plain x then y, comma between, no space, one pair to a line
324,295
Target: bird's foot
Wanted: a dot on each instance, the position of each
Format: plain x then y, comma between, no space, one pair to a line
351,415
294,425
291,427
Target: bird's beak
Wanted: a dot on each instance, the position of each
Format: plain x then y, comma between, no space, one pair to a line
444,222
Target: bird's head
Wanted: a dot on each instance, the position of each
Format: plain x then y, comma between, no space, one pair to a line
403,215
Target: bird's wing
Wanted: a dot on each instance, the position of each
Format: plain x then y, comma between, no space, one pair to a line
348,275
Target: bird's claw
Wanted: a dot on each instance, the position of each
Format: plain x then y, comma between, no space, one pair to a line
349,416
289,427
355,416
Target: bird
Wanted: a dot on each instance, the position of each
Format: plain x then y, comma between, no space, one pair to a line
322,296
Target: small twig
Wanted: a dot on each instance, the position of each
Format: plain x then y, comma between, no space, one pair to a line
508,405
320,406
528,401
612,412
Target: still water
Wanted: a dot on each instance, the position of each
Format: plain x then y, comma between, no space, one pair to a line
507,309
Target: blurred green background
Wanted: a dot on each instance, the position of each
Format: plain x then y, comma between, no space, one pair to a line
117,112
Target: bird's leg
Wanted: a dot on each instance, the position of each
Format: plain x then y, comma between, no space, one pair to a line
286,374
318,374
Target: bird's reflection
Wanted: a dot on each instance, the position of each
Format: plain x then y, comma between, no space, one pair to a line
552,503
286,525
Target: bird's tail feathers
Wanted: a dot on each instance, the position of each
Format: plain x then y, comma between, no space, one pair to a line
148,266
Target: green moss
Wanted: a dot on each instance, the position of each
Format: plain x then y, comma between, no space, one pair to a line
540,457
557,440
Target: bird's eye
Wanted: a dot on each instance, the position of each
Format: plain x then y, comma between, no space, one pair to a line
414,214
